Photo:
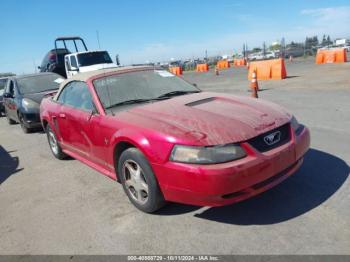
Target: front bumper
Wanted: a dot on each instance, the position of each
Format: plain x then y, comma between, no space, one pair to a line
31,120
227,183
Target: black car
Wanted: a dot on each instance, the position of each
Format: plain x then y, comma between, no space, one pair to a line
23,95
54,61
3,81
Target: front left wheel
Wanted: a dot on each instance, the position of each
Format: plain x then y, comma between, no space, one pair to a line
25,129
139,182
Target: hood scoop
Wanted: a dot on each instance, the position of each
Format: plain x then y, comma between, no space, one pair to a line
200,102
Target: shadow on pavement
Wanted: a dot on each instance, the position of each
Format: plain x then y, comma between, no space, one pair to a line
320,176
8,165
292,76
176,209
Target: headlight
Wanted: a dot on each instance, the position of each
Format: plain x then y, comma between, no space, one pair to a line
28,103
206,155
296,126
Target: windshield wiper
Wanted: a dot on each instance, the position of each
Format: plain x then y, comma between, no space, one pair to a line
133,101
177,93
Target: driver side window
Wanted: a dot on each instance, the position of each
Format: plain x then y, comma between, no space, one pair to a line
76,94
10,88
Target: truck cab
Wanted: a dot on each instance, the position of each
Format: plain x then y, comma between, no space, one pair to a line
87,61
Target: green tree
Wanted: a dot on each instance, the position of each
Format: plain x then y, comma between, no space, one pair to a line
329,41
275,47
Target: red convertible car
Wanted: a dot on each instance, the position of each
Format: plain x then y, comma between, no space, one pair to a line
165,140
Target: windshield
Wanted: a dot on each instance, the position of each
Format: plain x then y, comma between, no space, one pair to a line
94,58
145,85
38,83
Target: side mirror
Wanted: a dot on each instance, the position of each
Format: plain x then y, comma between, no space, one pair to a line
7,95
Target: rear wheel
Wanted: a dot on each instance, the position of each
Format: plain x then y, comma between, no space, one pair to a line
139,182
54,144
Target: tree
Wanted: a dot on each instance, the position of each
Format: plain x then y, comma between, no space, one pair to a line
329,41
311,42
275,47
264,49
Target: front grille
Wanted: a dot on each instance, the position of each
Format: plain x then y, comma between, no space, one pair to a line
261,145
32,117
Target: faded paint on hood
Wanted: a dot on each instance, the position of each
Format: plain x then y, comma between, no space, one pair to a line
38,97
208,118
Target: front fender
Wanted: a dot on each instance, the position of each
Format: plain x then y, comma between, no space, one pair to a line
155,149
151,145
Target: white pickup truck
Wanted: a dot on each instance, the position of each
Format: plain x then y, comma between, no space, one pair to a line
87,61
62,61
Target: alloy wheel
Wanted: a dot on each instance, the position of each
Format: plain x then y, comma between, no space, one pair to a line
53,142
135,181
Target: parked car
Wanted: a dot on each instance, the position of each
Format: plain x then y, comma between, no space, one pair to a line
296,52
87,61
3,81
66,63
270,55
22,97
256,56
165,140
54,62
261,56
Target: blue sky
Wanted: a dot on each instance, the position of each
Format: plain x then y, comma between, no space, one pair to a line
154,30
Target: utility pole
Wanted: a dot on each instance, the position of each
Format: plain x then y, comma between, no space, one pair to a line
117,59
206,55
35,68
283,48
264,49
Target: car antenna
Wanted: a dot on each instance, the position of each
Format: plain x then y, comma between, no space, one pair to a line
98,39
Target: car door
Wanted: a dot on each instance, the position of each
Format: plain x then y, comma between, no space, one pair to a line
78,121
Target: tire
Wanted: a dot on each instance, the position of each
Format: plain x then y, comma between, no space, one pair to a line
54,144
25,129
141,187
9,120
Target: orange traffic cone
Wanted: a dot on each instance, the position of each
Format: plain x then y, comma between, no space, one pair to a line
216,71
254,85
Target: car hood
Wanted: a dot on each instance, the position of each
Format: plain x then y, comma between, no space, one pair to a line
209,118
38,97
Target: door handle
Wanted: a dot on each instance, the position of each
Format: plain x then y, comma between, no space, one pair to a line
61,115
